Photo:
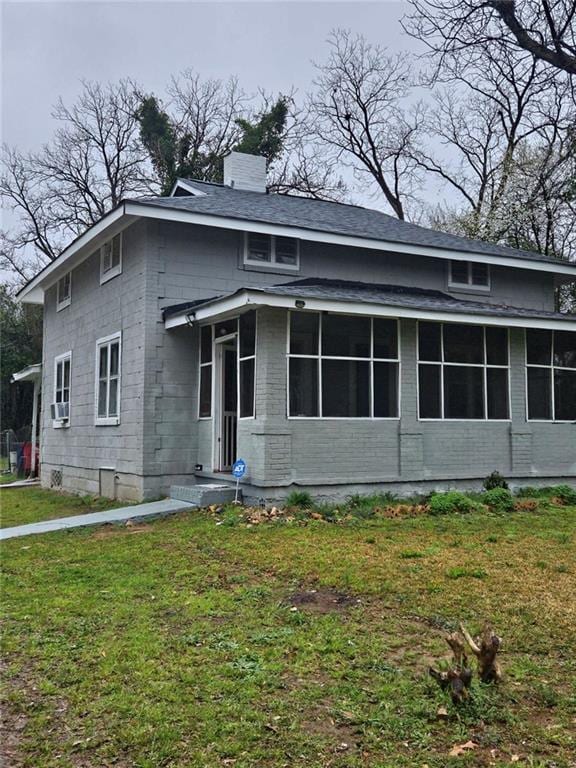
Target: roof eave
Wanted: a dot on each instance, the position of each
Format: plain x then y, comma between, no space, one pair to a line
245,299
83,246
152,210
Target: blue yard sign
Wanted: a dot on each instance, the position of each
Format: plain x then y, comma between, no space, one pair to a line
238,470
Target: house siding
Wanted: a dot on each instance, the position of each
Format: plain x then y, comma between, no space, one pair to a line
204,262
160,439
316,453
96,311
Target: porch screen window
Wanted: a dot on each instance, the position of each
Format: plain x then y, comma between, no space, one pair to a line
108,383
62,366
551,375
271,250
247,363
205,398
467,274
462,371
342,366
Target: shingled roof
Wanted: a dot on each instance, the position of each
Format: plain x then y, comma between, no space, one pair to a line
323,216
376,294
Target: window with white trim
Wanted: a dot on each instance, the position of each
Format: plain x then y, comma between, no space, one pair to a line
551,375
111,258
247,364
206,366
108,367
64,291
271,250
463,372
342,366
62,374
469,275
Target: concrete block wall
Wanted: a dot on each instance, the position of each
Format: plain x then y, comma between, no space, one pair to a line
322,454
160,439
204,262
96,311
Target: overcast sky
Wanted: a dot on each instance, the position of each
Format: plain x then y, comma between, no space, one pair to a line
48,47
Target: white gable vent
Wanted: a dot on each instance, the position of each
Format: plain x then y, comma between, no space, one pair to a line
245,171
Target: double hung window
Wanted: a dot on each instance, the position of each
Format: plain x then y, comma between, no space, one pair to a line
108,364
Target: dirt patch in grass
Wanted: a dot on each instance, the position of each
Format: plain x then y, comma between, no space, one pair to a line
107,531
11,726
339,736
322,600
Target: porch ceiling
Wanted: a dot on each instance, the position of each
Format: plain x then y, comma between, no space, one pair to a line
368,299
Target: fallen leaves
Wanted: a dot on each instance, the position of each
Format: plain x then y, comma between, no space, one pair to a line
461,749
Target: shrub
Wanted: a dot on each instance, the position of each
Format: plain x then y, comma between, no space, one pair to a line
365,507
450,503
495,480
565,493
299,499
530,492
499,499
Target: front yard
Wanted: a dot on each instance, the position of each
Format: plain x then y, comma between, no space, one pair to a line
191,643
31,505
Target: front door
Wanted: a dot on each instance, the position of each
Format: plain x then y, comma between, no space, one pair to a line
226,401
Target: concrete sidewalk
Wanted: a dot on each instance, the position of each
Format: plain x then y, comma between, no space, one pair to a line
137,512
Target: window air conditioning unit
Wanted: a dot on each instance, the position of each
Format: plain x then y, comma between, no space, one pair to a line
60,411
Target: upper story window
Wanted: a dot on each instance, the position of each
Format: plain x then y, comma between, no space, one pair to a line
108,362
272,251
343,366
111,258
551,375
469,275
61,404
463,372
64,291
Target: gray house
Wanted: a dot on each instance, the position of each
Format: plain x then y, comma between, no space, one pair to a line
330,346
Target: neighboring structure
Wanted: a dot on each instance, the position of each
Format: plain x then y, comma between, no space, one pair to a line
32,374
332,347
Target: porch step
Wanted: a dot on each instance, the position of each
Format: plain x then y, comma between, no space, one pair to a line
204,494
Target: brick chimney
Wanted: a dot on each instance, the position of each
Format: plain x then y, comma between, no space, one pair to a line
243,171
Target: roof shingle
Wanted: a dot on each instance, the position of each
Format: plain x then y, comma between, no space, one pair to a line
325,216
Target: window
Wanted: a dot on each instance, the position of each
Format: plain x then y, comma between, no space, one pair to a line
342,366
462,372
247,364
551,375
64,291
108,366
61,406
111,259
272,251
470,275
205,397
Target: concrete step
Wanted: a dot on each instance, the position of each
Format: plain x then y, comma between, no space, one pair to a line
205,494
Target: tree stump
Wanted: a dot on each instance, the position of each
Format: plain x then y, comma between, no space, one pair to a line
485,649
457,679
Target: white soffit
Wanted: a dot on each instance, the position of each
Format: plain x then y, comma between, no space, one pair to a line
252,299
245,225
128,212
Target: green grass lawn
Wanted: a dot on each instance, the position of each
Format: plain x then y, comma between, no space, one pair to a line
184,643
19,506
